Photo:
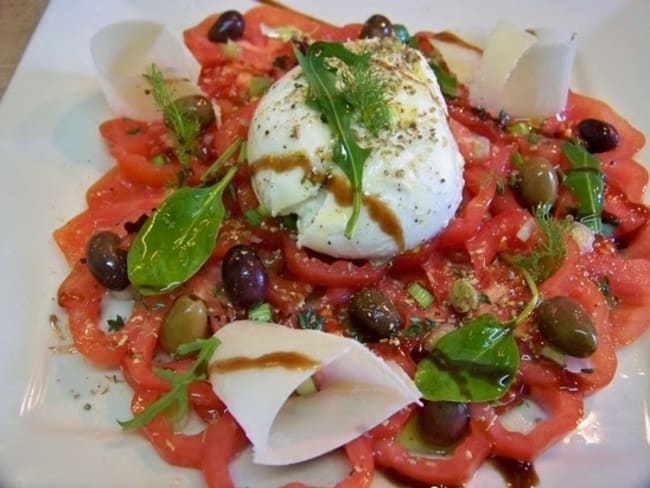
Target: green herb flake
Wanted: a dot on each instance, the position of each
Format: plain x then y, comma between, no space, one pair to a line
418,327
261,313
176,400
310,319
133,131
116,323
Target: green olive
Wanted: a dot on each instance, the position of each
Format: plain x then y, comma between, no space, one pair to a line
186,321
539,182
567,326
443,423
463,297
198,107
374,314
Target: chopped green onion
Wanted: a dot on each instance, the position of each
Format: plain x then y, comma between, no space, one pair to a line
261,313
421,295
307,387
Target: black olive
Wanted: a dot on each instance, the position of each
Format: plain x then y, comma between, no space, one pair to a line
374,314
229,25
197,107
106,260
376,26
443,423
245,279
597,135
539,183
567,326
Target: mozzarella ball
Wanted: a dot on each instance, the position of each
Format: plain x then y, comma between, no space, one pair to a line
412,178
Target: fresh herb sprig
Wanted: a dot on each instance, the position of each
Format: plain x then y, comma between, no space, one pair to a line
586,181
548,254
177,239
178,395
185,128
337,104
368,93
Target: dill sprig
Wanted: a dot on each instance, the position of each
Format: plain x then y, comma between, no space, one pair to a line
368,91
184,127
550,251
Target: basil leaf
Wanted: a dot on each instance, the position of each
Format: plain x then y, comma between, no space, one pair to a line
476,363
586,181
178,238
332,103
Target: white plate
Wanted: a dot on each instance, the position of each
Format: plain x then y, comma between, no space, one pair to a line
50,152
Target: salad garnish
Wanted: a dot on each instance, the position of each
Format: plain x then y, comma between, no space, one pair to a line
185,128
364,94
476,362
176,401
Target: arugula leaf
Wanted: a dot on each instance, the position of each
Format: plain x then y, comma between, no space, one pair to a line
549,253
326,96
177,399
477,362
586,181
185,127
178,238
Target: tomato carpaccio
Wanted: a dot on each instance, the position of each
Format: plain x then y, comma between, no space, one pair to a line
609,278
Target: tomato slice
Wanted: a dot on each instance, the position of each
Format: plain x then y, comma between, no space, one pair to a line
453,470
565,412
81,296
359,452
341,273
176,449
223,440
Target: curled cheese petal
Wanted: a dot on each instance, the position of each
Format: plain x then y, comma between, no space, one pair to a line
524,73
258,366
122,53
